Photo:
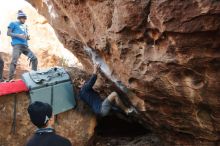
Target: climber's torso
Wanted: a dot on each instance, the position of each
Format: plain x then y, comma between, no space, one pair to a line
90,96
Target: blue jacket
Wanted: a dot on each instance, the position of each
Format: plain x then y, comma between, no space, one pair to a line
90,96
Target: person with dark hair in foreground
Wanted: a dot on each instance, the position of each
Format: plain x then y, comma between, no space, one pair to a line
41,116
93,99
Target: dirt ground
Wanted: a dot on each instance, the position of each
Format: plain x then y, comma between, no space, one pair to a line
147,140
117,131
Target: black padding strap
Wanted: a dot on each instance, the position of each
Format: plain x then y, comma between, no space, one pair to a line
13,128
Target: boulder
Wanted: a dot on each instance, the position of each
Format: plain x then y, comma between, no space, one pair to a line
164,53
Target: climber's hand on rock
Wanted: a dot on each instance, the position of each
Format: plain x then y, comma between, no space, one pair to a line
96,68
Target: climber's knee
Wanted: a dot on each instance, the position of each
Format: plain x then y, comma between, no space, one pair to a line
34,60
105,107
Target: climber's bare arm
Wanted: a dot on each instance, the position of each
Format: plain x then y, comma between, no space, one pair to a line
91,82
96,68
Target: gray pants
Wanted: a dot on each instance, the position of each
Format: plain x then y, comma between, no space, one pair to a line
105,107
17,51
1,68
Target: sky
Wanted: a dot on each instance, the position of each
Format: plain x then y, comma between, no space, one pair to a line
8,10
8,7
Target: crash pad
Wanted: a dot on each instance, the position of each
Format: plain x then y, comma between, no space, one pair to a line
15,86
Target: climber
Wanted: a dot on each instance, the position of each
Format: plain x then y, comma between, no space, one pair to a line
93,99
42,117
19,33
1,67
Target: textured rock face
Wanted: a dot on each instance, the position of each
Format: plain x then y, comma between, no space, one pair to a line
77,125
165,52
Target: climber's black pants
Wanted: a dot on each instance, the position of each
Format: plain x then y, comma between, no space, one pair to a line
1,68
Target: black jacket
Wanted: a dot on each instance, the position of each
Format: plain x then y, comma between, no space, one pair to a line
90,96
48,139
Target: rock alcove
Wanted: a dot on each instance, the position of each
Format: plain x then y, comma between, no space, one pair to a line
164,53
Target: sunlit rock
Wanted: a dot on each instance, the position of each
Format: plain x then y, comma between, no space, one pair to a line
165,52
